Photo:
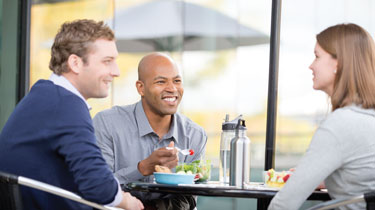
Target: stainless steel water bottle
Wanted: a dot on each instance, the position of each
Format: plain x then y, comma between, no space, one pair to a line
227,134
240,157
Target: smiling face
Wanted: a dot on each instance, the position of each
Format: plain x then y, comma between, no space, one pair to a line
160,86
324,70
95,76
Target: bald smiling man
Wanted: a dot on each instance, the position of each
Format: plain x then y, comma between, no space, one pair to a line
133,137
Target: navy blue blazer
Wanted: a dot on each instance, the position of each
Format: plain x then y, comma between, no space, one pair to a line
50,137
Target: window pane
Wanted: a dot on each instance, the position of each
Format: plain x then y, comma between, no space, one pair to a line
300,108
9,58
46,19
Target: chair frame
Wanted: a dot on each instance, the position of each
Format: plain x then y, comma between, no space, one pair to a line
20,180
10,193
369,198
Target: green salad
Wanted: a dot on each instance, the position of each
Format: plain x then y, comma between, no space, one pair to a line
201,169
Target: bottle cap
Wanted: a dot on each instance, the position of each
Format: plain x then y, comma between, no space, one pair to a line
241,125
230,125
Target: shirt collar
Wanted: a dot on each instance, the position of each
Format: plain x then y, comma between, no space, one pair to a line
173,130
145,128
63,82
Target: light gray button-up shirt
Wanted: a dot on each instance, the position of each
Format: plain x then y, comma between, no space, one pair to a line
126,137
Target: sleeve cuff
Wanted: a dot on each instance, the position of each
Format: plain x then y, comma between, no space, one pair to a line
129,174
118,197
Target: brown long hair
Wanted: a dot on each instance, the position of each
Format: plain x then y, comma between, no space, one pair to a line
354,50
76,38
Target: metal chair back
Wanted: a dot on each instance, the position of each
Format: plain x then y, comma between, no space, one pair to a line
12,200
369,198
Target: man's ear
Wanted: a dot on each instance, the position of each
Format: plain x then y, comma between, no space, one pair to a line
140,87
75,63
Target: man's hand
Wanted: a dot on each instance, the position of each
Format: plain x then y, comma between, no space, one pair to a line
129,202
162,156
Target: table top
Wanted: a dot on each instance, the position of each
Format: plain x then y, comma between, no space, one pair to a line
252,190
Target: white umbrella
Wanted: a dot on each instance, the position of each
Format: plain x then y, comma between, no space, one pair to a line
168,25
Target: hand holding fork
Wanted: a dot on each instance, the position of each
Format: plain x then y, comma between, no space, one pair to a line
183,151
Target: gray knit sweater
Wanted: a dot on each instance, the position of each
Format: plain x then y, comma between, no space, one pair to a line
342,152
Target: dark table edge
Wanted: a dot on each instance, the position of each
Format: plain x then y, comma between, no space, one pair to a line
215,192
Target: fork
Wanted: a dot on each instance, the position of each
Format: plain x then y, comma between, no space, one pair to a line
183,151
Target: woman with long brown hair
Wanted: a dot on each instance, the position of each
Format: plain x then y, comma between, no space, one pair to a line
342,151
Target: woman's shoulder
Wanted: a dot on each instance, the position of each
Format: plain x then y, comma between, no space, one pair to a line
352,111
349,115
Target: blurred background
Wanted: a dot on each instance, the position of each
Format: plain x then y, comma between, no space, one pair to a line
222,48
